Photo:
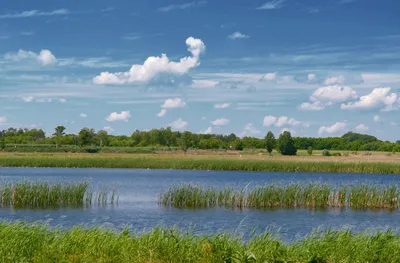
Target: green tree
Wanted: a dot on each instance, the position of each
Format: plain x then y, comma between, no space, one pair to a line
85,136
185,141
270,142
309,150
286,144
101,138
59,132
2,142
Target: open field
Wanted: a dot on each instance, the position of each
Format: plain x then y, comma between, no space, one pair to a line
27,243
374,163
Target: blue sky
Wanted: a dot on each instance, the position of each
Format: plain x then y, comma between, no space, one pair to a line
316,68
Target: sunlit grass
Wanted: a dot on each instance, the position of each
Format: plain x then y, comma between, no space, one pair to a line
284,196
20,242
32,195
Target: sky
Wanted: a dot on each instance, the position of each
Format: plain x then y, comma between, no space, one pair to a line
314,68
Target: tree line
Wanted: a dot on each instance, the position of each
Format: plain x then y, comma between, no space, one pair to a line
165,137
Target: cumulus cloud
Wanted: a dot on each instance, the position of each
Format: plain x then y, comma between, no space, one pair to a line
333,94
379,97
108,129
28,99
173,103
3,119
237,35
179,124
311,77
122,116
207,131
44,58
220,122
162,113
222,106
83,115
269,120
335,128
154,67
315,106
334,80
361,128
377,118
250,130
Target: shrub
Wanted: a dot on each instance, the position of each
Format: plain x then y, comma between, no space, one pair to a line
336,154
326,153
286,144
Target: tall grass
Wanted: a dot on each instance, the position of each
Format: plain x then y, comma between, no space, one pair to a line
45,195
20,242
191,163
293,195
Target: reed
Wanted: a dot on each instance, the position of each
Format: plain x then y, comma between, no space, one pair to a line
32,195
21,242
284,196
195,163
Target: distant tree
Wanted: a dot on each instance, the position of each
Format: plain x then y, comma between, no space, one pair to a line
309,150
185,141
398,142
85,136
59,132
101,138
286,144
2,142
270,142
238,144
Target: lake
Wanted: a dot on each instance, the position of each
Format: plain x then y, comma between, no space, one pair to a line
138,207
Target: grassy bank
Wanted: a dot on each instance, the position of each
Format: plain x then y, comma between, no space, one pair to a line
288,196
45,195
189,162
24,243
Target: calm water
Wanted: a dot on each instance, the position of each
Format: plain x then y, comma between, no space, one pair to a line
138,206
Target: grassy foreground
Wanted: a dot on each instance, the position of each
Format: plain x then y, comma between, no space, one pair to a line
288,196
26,243
183,162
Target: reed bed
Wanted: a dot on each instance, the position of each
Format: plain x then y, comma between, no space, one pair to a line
45,195
196,163
21,242
284,196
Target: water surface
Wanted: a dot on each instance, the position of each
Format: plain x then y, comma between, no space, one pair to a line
138,207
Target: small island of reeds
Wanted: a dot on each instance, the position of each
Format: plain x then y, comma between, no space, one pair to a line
284,196
36,194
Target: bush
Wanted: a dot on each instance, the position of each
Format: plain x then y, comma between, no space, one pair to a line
310,150
286,144
336,154
326,153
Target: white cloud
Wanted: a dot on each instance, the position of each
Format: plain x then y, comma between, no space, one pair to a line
62,100
108,129
270,76
315,106
27,33
250,130
28,99
274,4
335,128
292,132
182,6
3,119
286,121
44,58
162,113
377,98
179,124
155,66
220,122
115,116
334,80
222,106
237,35
311,77
44,100
83,115
362,128
269,120
207,131
377,118
333,94
31,13
173,103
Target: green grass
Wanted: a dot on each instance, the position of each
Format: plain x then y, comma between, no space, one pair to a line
45,195
287,196
20,242
155,162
